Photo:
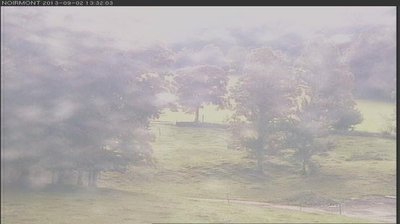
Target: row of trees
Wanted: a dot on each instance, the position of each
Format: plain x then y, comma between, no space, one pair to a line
284,105
74,108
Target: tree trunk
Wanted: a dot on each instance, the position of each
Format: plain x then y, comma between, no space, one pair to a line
53,177
260,161
90,178
260,154
23,178
260,166
79,181
60,177
304,171
95,174
196,118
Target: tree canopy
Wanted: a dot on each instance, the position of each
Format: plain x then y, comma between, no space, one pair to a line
74,111
200,85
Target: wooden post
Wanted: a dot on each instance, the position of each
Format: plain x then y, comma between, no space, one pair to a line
340,208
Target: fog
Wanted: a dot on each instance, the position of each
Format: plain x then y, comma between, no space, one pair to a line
118,110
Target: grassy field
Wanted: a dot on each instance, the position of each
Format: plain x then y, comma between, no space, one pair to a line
105,206
216,170
375,115
196,162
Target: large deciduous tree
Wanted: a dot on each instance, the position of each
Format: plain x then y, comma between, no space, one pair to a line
261,100
372,60
325,71
306,131
200,85
71,107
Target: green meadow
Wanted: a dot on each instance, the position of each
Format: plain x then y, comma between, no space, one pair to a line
197,163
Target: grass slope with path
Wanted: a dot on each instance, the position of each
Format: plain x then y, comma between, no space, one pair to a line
196,163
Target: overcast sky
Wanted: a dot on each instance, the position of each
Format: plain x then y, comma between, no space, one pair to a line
136,26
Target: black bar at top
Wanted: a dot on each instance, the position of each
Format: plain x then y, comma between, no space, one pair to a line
110,3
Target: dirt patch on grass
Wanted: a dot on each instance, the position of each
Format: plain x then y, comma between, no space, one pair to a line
381,209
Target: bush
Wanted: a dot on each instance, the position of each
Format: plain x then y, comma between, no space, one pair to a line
346,119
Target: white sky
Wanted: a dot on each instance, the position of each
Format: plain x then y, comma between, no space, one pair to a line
142,25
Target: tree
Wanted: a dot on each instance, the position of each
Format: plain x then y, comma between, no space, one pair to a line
323,68
372,60
72,107
261,101
390,124
323,100
306,131
200,85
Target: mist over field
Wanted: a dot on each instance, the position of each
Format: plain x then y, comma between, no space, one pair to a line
198,114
